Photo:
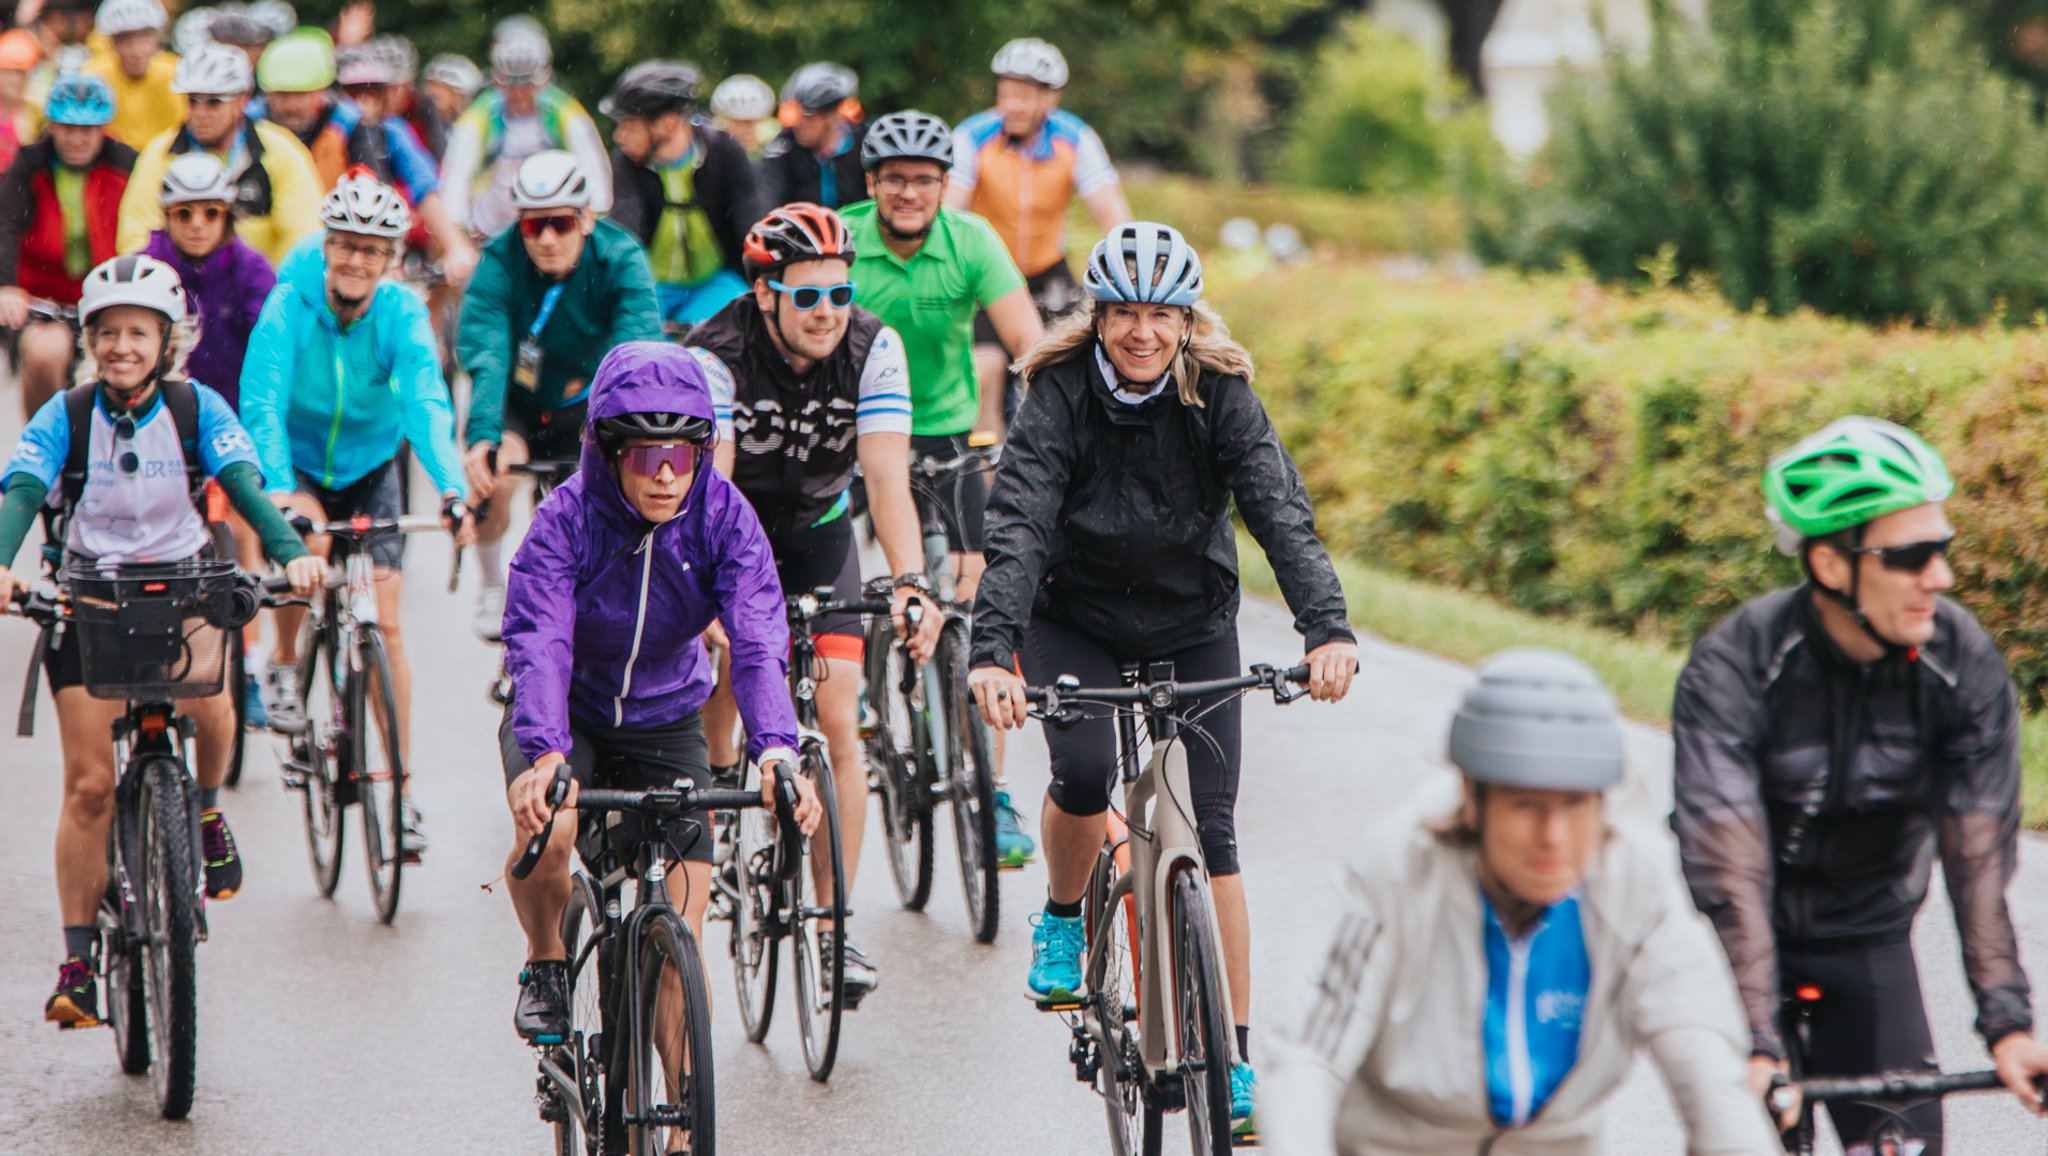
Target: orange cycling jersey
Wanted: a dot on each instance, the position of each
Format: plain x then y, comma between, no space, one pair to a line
1023,189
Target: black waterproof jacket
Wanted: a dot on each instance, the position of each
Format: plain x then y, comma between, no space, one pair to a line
1813,792
788,172
1115,520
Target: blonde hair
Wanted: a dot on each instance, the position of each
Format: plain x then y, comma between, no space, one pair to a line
180,337
1208,346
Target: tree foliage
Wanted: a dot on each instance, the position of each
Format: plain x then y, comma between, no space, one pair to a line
1385,115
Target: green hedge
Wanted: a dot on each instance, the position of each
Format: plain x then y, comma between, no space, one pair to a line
1335,223
1590,452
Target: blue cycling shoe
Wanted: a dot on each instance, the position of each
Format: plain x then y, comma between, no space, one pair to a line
1013,847
1056,947
253,713
1243,1084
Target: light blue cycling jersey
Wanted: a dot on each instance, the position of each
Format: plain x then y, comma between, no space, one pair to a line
1535,1000
334,404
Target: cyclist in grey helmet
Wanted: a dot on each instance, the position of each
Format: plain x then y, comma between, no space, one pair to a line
816,159
1579,932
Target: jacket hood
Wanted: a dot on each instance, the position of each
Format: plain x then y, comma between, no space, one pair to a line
641,377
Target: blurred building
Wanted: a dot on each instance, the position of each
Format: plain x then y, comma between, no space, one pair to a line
1534,41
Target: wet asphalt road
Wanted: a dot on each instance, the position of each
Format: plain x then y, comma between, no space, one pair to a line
323,1032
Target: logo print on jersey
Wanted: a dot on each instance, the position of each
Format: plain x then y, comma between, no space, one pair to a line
233,441
764,428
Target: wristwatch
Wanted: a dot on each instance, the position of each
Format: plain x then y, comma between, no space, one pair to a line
916,580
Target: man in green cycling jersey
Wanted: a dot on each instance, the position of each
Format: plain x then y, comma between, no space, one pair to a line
553,294
341,367
1831,740
925,269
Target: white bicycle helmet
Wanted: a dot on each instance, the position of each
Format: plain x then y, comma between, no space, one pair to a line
1031,59
457,72
550,180
743,97
275,16
193,30
132,280
195,177
215,70
120,17
364,205
1144,263
522,56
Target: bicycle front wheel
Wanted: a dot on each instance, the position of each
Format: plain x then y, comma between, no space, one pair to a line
170,896
970,762
820,904
238,676
121,954
1200,1021
577,1056
316,757
756,938
894,751
669,1104
378,770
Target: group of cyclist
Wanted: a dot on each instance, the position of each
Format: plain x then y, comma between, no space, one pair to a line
736,343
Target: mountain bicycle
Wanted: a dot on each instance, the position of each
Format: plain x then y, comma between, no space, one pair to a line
150,634
927,744
348,753
637,1062
1153,943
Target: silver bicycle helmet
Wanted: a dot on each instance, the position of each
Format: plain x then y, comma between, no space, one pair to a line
362,204
132,280
120,17
457,72
551,180
817,87
195,177
1538,719
522,56
1146,263
743,97
1030,58
215,70
907,136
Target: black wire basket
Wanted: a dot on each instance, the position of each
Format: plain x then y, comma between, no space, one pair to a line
153,631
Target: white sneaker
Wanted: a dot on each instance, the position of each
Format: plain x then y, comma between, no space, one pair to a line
489,623
282,700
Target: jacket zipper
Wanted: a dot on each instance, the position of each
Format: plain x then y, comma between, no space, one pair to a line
1521,1079
639,625
340,395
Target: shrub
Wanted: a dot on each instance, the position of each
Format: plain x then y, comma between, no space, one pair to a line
1381,114
1859,157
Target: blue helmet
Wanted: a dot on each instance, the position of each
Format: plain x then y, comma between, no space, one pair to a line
1144,263
80,98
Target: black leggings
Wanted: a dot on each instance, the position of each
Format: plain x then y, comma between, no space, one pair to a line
1084,757
1870,1018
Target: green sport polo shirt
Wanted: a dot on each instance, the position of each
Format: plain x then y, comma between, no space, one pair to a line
930,300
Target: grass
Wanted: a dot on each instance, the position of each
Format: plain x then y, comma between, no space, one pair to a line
1468,627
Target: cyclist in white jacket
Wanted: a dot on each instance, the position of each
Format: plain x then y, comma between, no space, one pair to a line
1496,966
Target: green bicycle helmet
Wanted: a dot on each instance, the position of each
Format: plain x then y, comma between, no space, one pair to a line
1856,470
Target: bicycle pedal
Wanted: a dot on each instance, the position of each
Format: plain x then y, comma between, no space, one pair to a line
1244,1139
1051,1004
72,1027
1013,866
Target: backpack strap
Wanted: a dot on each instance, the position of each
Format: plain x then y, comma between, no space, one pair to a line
182,399
179,397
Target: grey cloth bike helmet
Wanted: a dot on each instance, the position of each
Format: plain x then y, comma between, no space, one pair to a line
1538,719
907,136
819,86
1144,263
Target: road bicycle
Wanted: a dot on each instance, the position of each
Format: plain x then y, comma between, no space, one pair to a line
349,754
546,475
766,902
637,1063
926,743
1152,1033
150,634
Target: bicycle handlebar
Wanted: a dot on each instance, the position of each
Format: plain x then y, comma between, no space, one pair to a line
1896,1085
1049,699
358,527
660,801
46,609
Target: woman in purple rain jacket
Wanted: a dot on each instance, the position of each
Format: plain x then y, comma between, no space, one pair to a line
225,280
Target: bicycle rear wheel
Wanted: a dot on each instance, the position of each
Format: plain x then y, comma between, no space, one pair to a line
896,753
820,982
317,756
970,763
756,938
169,898
378,769
1134,1122
1199,1015
669,1105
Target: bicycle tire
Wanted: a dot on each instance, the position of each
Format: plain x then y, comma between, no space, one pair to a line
1134,1118
380,782
120,957
238,695
970,759
320,753
169,898
586,1026
755,941
820,982
1199,1016
894,753
668,949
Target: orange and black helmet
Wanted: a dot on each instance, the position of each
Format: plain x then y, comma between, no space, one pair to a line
799,231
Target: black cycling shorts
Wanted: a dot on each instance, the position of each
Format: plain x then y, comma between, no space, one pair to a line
821,556
551,435
376,494
643,759
962,497
1084,757
1870,1018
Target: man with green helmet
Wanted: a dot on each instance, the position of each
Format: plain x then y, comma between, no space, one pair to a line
1831,740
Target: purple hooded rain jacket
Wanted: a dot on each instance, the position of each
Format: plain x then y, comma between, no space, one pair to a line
604,610
227,289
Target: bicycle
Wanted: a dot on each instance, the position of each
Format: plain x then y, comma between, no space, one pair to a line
151,634
599,1081
1148,903
766,902
929,745
345,678
546,475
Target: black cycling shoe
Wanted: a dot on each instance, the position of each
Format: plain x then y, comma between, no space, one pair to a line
223,862
76,1002
543,1013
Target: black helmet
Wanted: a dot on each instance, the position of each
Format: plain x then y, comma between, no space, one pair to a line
907,136
678,427
652,88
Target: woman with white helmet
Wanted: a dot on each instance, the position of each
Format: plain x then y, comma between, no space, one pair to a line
1496,962
139,70
740,106
124,454
1109,541
226,281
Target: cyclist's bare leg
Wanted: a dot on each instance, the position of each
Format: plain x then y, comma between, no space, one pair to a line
721,715
839,718
86,725
390,584
1071,844
968,568
215,718
490,533
991,373
1234,924
44,353
540,898
288,619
